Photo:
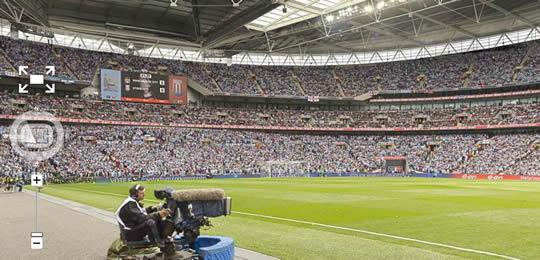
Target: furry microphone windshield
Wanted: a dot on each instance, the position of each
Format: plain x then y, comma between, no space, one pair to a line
198,195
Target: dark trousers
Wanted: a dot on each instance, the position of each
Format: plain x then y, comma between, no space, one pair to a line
149,227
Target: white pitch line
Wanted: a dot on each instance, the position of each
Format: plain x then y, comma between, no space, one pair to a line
338,227
380,234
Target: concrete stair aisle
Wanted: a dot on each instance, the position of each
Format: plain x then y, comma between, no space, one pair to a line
66,65
95,79
464,162
526,155
522,64
421,79
470,72
298,84
522,157
214,81
3,55
339,83
257,84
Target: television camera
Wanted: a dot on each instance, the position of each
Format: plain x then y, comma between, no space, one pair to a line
191,210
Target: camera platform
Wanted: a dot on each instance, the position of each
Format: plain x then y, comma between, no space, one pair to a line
206,248
212,247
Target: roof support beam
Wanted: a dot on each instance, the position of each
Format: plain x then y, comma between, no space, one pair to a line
332,45
136,14
448,26
109,11
240,39
220,32
508,13
388,33
80,6
196,22
126,35
8,12
164,14
364,26
237,39
283,41
34,11
303,7
269,42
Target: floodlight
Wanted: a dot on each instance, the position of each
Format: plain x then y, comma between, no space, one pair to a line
368,8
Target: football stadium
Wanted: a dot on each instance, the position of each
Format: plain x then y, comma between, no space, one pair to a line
269,129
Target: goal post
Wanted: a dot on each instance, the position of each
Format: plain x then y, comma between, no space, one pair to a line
395,164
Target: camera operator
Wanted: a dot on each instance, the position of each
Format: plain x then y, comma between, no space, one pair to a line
19,184
137,221
8,183
2,181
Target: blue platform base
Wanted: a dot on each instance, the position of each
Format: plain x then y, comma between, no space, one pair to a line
214,247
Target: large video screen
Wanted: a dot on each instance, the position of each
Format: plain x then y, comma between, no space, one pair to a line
111,84
143,87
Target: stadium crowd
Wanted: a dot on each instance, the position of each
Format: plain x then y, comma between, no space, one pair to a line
33,55
122,111
493,67
513,148
123,151
12,168
530,72
234,79
284,85
120,151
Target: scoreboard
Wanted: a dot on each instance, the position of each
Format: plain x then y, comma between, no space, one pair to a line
144,87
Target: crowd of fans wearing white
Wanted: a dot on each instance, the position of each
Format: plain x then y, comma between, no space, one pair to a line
530,72
496,67
234,79
13,104
515,149
122,151
493,67
284,85
35,56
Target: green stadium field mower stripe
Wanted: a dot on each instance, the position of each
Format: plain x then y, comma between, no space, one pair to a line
332,227
379,234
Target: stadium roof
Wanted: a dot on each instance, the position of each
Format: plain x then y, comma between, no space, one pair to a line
295,11
228,28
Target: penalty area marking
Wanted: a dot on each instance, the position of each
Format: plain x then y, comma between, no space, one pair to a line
379,234
337,227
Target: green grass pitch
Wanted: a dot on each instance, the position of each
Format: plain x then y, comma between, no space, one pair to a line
496,217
